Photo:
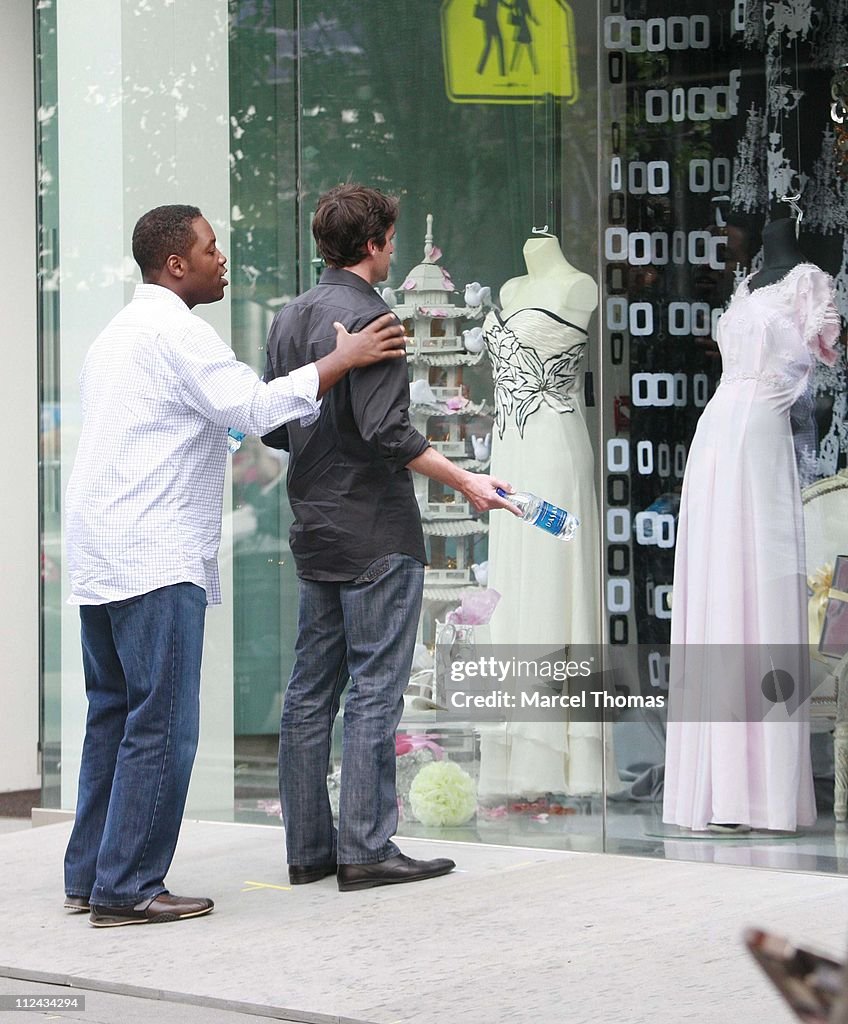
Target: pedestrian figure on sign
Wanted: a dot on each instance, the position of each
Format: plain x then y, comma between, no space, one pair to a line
521,16
487,12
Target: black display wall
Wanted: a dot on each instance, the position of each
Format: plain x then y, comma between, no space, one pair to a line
712,114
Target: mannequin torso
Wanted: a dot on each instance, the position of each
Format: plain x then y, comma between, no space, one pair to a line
780,253
552,284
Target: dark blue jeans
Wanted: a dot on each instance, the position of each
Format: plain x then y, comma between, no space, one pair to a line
141,659
364,630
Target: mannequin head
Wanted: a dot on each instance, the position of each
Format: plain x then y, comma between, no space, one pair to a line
780,243
780,252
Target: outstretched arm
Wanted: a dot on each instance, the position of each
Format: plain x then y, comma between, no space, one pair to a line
479,489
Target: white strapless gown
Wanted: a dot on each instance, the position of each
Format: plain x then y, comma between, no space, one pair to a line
550,589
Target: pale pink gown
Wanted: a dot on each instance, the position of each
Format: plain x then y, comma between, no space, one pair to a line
740,600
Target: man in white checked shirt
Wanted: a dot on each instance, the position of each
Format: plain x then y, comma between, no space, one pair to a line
143,521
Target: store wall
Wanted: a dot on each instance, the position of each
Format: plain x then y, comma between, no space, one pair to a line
18,398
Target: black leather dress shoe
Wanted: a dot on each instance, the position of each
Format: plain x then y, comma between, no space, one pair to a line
300,874
393,871
156,910
79,904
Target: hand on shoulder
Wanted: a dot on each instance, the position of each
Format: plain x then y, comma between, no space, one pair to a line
383,338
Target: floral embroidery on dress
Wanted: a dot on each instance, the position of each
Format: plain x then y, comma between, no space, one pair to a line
523,381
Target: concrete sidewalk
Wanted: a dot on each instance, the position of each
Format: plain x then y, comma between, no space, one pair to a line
513,935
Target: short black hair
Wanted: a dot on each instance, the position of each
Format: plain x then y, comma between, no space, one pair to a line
162,232
347,218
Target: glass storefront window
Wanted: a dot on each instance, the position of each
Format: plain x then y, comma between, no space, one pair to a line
476,175
582,190
125,125
51,408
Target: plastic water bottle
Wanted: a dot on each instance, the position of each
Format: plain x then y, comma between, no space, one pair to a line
234,440
547,517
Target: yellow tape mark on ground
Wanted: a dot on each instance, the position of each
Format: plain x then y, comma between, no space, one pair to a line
256,886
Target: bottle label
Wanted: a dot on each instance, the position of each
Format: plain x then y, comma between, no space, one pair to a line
551,518
234,440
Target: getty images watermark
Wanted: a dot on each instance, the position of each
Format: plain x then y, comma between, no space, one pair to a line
750,683
527,672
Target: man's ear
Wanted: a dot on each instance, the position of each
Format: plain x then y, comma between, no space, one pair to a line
175,265
371,247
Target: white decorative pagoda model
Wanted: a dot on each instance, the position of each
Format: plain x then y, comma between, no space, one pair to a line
444,343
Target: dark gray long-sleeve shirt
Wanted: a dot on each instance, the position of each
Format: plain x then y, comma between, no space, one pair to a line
352,497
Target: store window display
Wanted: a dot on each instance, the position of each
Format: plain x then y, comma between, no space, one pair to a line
550,592
739,576
268,597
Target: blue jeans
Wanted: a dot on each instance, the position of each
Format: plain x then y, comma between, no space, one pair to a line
141,659
364,629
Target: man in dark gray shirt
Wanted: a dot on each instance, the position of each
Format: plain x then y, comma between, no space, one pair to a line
359,550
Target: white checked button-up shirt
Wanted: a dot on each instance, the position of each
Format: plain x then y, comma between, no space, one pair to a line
159,391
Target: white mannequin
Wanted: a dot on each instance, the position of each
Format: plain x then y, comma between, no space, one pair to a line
550,590
551,283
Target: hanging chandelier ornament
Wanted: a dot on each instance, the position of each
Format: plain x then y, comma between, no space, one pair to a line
839,116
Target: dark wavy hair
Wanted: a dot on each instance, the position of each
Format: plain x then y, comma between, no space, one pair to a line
347,218
162,232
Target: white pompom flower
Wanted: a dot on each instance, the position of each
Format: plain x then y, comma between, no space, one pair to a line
443,794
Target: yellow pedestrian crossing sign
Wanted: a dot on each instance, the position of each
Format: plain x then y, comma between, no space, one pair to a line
508,51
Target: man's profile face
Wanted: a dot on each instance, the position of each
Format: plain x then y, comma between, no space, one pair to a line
205,264
383,258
